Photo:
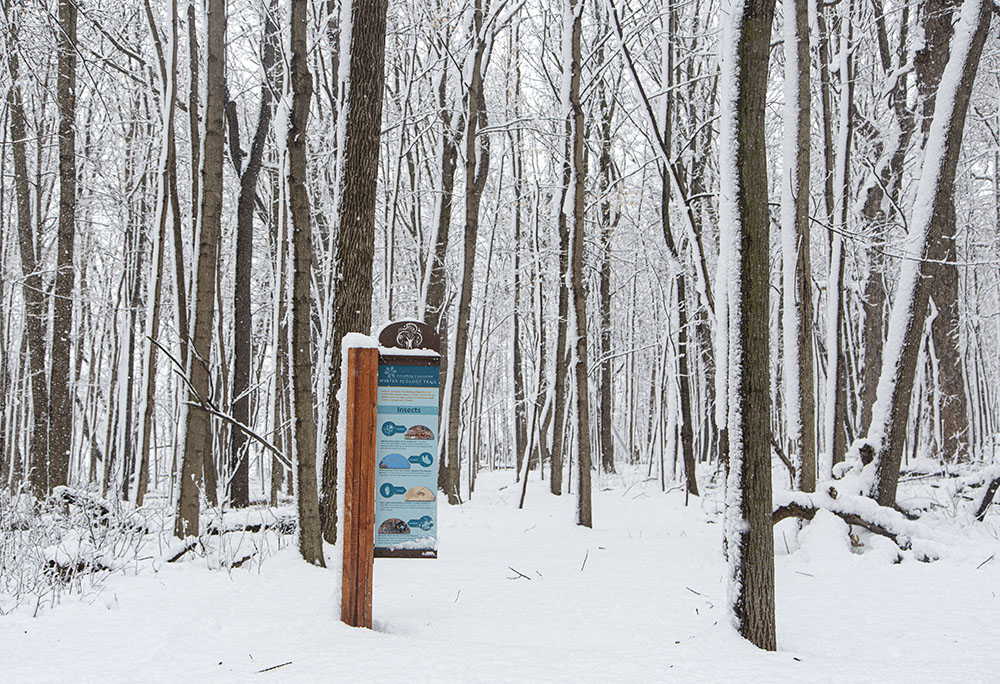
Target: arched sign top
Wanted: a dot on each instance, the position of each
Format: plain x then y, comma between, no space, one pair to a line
409,335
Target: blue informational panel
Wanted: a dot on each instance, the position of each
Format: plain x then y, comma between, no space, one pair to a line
406,472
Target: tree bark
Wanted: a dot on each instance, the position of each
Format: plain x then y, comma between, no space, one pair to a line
198,438
744,201
304,434
934,199
477,164
362,123
797,266
60,388
239,488
434,299
942,250
584,514
32,288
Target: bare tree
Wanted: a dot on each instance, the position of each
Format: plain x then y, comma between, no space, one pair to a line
198,439
573,25
744,218
890,416
362,72
797,311
304,432
32,289
60,389
477,163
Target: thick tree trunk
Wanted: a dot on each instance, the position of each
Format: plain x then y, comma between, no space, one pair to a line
942,251
875,213
744,203
198,438
362,123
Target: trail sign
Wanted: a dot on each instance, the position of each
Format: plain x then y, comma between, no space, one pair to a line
406,442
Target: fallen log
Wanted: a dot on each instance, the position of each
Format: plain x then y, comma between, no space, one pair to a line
796,510
854,509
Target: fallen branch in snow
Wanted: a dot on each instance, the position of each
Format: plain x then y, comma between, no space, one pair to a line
795,510
519,574
854,510
989,478
282,525
182,550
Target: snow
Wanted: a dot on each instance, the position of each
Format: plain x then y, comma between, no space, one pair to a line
641,597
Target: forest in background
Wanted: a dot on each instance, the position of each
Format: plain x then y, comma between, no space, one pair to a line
561,189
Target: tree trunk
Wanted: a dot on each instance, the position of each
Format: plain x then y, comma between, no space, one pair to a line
934,198
198,439
32,288
477,164
579,175
796,282
304,434
60,390
745,222
561,353
239,496
364,48
942,251
434,298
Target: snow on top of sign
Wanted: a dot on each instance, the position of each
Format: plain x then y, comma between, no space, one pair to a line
399,351
355,340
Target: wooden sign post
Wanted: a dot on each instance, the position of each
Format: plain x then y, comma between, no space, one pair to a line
359,479
391,406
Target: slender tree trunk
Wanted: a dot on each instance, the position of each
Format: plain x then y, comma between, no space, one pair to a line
836,391
304,433
584,514
239,496
796,282
198,439
608,221
477,164
60,390
32,287
434,298
561,353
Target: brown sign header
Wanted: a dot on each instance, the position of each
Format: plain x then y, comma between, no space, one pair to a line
409,335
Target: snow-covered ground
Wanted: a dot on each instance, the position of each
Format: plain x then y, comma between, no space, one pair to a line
526,596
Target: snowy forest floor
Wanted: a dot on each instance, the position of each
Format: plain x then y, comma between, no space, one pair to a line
524,595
